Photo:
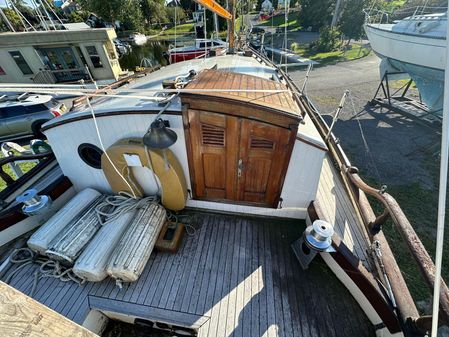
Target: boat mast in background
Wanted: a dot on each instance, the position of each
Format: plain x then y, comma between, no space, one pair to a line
442,194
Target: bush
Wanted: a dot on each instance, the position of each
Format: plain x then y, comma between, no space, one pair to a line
329,40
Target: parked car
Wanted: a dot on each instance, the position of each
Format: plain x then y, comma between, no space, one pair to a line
24,115
121,49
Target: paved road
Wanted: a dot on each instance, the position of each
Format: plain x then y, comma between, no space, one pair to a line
388,147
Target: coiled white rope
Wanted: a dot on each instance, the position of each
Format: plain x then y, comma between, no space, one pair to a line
48,268
115,205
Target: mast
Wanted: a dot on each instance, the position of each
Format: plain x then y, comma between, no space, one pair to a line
231,27
336,13
442,194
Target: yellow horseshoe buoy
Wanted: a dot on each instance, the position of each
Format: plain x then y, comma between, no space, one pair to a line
169,171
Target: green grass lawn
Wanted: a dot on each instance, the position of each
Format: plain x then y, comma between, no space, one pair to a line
354,52
25,167
279,21
180,29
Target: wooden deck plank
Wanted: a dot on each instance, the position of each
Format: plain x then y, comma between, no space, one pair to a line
277,282
214,312
180,259
232,320
209,254
236,277
255,275
227,287
187,247
242,256
193,271
133,294
216,267
201,273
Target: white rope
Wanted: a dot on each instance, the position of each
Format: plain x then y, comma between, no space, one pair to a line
116,205
48,268
104,149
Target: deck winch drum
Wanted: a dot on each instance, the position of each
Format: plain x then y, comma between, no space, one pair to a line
136,245
319,235
40,240
33,203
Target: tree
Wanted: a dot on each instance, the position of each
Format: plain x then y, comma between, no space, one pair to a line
132,17
176,14
329,40
13,18
154,11
352,19
316,13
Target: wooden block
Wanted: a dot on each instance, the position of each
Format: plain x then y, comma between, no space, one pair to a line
21,315
170,245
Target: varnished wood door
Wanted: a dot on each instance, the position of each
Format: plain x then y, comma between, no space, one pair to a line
261,163
236,159
214,158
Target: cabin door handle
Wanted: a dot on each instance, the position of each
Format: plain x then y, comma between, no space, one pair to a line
239,168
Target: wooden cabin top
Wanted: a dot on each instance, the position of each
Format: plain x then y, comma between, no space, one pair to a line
280,102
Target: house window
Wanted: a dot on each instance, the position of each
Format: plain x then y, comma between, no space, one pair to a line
94,57
21,63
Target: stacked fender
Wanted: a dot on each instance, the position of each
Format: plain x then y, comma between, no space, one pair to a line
41,239
134,249
91,265
68,244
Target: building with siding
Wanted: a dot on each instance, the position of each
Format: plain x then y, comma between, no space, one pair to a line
59,56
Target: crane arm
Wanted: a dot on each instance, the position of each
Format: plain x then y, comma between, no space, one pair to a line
215,7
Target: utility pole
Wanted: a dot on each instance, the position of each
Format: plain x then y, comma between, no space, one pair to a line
336,13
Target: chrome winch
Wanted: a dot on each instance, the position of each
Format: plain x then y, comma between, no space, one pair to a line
33,203
315,239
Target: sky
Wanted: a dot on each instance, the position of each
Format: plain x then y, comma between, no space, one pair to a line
3,2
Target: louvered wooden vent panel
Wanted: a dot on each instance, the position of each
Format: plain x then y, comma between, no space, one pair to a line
212,135
259,143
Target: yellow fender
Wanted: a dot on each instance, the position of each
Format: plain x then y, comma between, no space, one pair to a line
171,177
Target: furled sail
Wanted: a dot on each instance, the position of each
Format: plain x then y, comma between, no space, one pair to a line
215,7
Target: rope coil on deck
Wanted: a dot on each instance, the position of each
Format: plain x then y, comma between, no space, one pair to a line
48,268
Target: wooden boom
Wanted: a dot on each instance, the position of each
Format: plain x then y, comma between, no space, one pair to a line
216,8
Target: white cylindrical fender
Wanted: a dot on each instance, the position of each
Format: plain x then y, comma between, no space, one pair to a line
136,245
40,240
91,265
70,242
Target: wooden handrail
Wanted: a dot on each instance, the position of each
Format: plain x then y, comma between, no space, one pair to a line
414,244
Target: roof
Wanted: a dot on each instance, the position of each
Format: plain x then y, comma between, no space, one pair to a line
216,79
28,100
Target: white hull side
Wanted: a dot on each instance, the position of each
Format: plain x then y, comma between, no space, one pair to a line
421,51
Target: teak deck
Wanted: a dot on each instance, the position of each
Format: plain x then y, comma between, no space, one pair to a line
237,276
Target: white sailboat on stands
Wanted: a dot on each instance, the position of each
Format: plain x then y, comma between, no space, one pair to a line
415,45
228,148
